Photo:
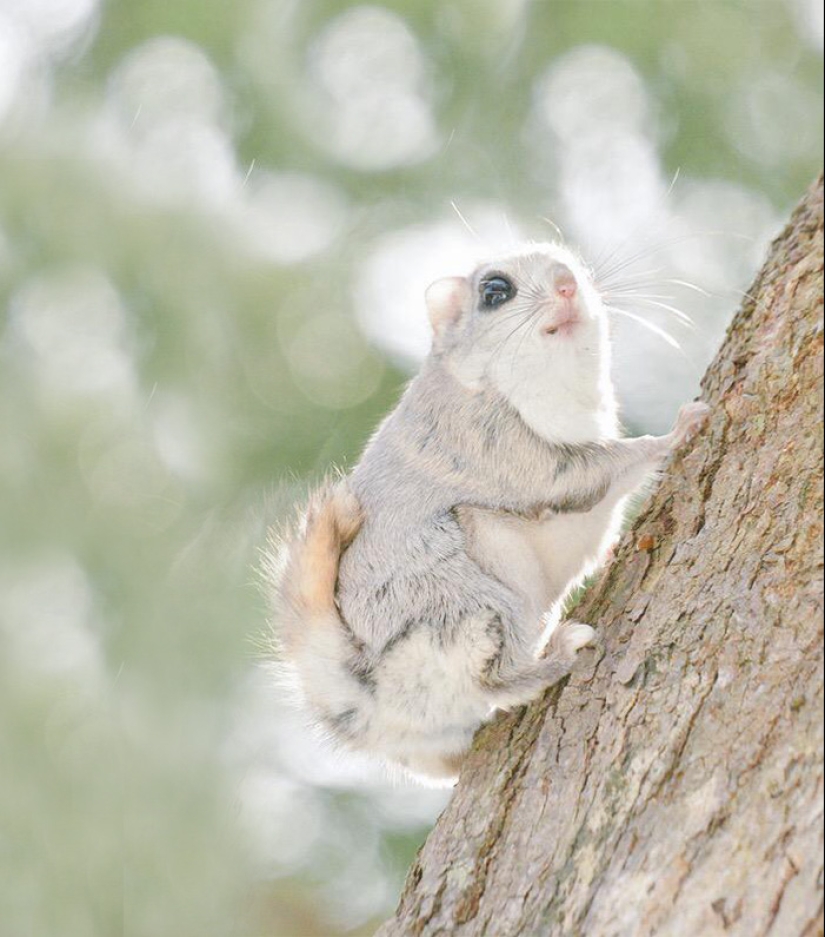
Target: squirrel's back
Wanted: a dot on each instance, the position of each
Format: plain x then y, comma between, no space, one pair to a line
396,711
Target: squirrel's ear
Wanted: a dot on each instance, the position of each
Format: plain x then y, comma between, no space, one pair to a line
446,299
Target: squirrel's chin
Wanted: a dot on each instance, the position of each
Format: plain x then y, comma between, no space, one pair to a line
562,329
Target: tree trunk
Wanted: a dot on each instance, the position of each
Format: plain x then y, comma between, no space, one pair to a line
674,785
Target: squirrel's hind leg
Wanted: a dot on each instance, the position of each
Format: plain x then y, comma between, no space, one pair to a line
509,684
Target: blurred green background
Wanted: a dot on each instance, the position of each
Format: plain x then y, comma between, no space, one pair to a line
216,221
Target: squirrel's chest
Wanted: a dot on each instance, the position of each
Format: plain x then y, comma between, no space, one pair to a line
569,546
539,559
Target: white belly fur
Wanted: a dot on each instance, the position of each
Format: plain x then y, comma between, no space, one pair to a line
543,559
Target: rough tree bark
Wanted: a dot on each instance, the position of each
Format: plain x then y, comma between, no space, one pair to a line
674,785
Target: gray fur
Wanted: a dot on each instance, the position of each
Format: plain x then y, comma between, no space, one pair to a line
409,560
444,619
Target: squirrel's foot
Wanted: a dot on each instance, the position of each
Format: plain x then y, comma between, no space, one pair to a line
690,421
568,638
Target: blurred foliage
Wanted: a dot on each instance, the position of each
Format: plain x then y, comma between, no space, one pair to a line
194,199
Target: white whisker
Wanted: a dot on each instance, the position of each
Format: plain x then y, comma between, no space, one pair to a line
688,285
555,227
622,264
509,227
650,326
632,292
645,279
464,221
673,182
683,317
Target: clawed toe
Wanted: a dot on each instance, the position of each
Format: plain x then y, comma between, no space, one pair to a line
569,638
692,418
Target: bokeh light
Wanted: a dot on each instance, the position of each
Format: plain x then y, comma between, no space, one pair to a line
371,77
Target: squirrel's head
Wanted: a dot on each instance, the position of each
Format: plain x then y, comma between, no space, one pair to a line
526,321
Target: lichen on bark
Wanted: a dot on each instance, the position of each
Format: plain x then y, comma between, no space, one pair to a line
673,786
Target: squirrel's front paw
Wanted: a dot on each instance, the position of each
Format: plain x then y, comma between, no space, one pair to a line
692,418
568,639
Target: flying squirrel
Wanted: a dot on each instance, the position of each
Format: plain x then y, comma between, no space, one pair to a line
423,592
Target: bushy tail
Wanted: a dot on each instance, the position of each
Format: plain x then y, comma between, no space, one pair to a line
314,644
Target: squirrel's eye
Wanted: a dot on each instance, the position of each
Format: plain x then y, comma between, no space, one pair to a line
496,291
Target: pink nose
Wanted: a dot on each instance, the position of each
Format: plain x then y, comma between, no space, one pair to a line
565,283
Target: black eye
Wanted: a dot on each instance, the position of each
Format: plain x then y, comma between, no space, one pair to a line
496,291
